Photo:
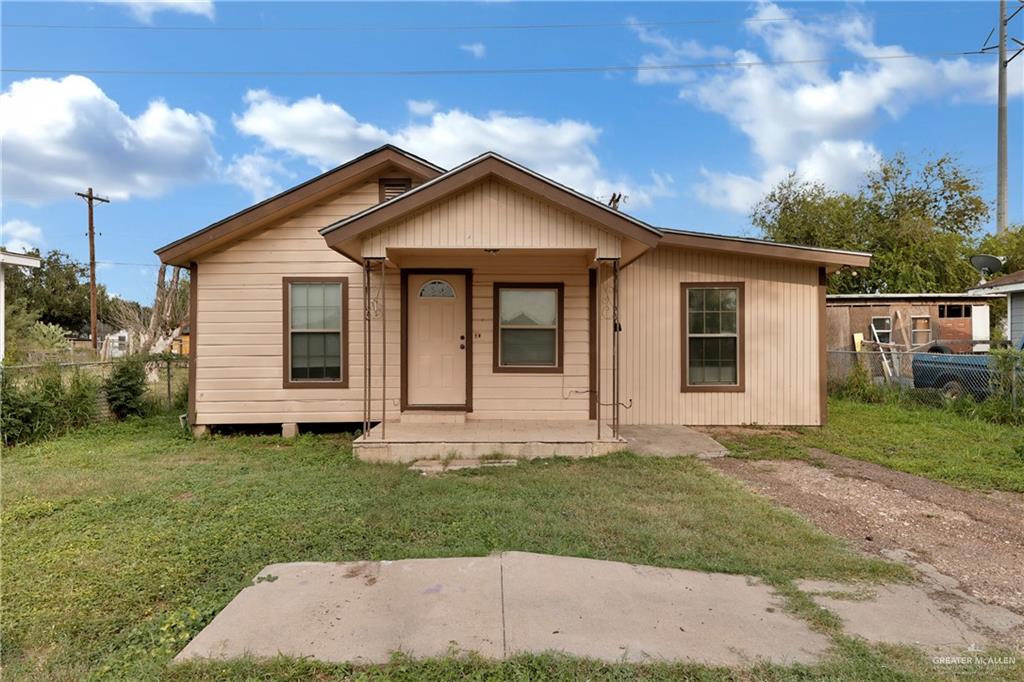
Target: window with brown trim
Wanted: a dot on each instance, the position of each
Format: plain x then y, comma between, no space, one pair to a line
712,348
528,327
315,331
392,187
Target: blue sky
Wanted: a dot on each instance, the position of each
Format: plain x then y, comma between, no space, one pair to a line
690,148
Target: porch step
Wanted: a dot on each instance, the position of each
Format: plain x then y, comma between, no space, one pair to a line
433,417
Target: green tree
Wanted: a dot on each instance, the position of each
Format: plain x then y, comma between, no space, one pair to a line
57,292
919,224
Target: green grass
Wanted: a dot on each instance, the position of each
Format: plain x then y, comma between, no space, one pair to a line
921,440
122,541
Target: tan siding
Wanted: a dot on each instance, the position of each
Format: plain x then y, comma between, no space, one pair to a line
781,341
239,354
493,215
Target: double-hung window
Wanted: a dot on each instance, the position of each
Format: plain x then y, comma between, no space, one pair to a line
712,337
528,321
314,332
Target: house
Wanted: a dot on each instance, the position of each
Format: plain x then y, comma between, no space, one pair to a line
957,323
484,306
1011,286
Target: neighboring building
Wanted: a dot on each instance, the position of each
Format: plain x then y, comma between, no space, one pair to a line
1011,286
9,259
957,323
493,295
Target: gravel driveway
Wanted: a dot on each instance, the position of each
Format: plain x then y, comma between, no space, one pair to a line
973,537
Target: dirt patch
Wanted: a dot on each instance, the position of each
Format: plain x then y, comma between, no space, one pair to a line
975,538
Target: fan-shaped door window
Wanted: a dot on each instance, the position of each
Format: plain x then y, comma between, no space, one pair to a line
437,288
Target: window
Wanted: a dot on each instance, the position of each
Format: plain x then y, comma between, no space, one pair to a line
881,329
437,288
712,337
392,187
954,310
315,338
528,320
920,330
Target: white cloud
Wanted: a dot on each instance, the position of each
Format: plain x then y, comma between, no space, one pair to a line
60,136
324,134
257,174
20,236
670,52
478,50
802,117
144,10
421,107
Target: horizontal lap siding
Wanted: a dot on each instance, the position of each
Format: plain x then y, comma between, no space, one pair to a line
781,348
493,215
239,324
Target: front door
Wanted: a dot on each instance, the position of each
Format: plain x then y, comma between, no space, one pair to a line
436,345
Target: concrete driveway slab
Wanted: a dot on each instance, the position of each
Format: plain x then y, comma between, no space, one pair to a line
671,440
361,611
614,611
505,604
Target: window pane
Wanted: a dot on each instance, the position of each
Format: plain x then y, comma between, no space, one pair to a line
729,299
696,300
711,299
316,355
712,323
696,323
316,306
712,361
728,323
532,347
437,288
529,307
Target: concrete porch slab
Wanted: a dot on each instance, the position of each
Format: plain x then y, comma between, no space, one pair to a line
505,604
408,442
671,440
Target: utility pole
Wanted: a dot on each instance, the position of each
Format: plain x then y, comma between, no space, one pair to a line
1002,181
90,198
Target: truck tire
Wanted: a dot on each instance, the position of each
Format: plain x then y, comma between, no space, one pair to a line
953,389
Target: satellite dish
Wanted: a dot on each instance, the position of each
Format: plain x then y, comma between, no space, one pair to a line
987,265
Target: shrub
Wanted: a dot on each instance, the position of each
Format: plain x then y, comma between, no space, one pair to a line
46,404
126,388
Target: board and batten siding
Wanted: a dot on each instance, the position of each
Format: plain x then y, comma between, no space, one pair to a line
493,215
239,354
781,344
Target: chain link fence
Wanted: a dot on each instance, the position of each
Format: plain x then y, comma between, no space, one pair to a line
995,377
167,377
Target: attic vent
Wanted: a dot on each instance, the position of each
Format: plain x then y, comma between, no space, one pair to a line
392,187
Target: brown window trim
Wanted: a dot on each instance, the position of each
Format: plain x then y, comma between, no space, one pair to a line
738,387
559,336
286,380
406,182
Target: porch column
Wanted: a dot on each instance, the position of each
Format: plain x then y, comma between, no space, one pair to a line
366,348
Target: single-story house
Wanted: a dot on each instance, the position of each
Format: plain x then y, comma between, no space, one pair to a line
955,322
1011,286
456,306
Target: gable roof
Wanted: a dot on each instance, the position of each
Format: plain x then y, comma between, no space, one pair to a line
1006,284
258,215
486,165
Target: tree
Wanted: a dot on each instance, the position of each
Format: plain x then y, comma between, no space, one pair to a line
152,328
57,292
919,224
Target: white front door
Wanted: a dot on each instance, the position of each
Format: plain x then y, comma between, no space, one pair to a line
436,349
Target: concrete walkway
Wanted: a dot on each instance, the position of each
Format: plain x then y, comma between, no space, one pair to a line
671,440
502,605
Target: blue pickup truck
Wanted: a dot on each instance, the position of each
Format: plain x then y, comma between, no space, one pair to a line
957,375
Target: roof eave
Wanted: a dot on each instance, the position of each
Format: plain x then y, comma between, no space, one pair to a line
831,258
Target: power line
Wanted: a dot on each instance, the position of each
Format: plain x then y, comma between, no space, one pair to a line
352,28
529,70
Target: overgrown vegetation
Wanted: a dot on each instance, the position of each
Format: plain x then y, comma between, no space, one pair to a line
122,541
1003,401
126,387
46,404
927,441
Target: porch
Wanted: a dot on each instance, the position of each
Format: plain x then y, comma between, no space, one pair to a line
410,441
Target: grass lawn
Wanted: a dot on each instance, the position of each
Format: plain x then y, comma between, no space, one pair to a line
926,441
121,542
